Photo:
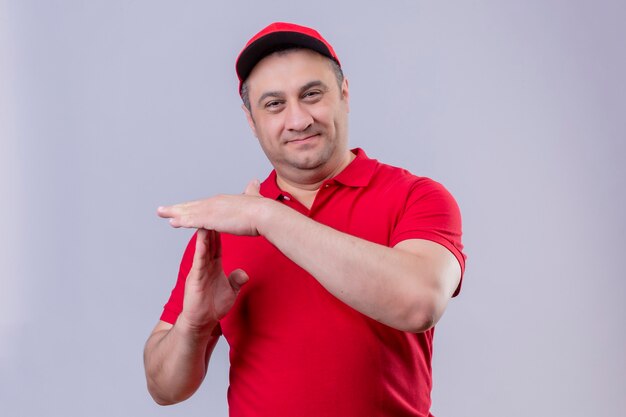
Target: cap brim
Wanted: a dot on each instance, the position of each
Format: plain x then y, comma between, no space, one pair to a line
258,49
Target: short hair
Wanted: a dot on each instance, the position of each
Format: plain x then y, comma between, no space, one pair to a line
284,49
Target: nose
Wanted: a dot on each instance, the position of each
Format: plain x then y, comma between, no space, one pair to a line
297,118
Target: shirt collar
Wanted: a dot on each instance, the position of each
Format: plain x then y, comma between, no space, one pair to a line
357,174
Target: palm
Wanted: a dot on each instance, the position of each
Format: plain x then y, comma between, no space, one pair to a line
209,293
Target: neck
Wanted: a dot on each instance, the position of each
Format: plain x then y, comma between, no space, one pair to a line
304,188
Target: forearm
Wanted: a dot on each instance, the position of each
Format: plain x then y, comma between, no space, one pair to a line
397,288
406,287
176,361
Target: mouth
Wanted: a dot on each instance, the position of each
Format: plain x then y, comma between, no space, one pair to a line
303,139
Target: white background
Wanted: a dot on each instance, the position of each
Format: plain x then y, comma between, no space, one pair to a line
111,108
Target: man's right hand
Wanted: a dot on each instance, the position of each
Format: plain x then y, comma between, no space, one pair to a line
209,293
176,356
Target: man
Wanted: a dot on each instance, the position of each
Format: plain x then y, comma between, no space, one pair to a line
327,278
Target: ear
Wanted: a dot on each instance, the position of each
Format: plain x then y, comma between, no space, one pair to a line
250,119
345,93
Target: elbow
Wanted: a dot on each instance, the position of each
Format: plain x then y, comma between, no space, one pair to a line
158,397
421,314
413,319
163,400
424,307
161,396
421,321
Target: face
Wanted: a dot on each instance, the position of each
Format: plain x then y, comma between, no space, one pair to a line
299,113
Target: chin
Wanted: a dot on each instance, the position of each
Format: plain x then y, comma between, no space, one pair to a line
310,160
306,164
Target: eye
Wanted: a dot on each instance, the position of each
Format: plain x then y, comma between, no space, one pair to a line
312,95
273,105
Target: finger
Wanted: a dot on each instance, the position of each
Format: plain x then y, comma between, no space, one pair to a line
216,244
173,213
165,211
180,215
202,245
174,210
253,188
237,279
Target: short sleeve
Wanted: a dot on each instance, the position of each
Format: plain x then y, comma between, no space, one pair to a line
174,305
431,213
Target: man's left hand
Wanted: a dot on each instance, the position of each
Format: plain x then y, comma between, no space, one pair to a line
234,214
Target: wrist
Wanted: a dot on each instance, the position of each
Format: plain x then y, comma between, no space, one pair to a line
266,214
195,330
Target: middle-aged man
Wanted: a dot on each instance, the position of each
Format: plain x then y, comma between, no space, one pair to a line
326,279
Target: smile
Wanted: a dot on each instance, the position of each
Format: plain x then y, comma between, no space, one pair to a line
303,140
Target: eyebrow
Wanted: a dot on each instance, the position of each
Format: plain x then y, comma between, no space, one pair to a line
269,94
279,94
311,84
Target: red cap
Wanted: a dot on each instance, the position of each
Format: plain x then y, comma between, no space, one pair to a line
276,35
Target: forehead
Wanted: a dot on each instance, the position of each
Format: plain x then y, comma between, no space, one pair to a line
291,69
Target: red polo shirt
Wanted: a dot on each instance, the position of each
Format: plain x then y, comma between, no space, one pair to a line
295,349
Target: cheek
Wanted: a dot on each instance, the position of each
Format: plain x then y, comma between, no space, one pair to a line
323,117
269,130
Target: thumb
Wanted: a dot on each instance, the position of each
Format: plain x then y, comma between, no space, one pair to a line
237,279
253,188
